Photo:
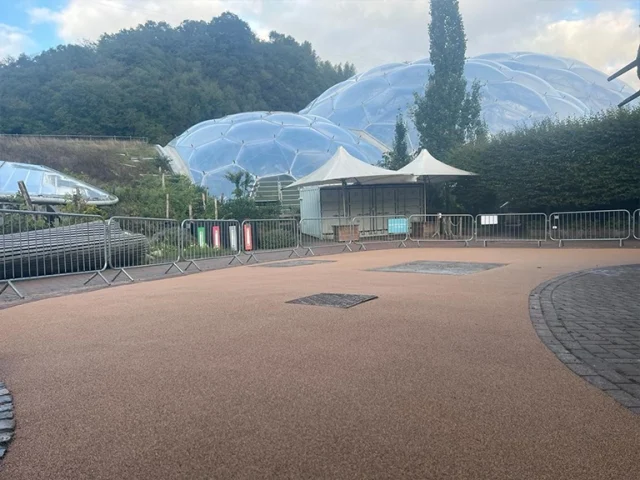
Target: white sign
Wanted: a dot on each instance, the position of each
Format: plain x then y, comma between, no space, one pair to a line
488,219
233,238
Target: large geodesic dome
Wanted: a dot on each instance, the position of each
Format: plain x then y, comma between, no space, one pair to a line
264,144
517,89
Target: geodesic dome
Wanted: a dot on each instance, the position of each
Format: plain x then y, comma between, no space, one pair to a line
264,144
517,89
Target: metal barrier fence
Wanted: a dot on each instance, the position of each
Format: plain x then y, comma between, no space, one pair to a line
141,242
204,239
441,228
511,227
325,232
380,229
273,235
47,244
591,225
636,224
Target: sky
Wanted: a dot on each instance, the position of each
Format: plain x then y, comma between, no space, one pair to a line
602,33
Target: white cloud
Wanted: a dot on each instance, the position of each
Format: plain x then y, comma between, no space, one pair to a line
606,41
372,32
13,41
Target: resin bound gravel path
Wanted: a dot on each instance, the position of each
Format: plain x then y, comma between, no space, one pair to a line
215,376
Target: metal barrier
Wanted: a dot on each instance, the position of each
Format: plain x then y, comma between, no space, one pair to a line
325,232
142,242
49,244
591,225
636,224
511,227
380,229
209,239
441,228
272,235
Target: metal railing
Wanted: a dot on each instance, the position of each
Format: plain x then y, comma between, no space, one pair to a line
325,232
511,227
270,235
141,242
48,244
613,225
636,224
441,228
204,239
380,229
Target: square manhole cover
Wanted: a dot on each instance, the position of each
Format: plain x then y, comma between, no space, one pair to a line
340,300
440,268
293,263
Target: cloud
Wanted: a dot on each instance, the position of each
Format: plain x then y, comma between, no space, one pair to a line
13,41
606,41
373,32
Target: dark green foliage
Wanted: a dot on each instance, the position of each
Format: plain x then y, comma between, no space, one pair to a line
245,208
156,81
399,156
590,163
275,239
242,181
447,115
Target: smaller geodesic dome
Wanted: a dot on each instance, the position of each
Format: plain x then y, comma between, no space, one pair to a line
264,144
48,186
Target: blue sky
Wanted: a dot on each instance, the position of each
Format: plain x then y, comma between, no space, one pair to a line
603,33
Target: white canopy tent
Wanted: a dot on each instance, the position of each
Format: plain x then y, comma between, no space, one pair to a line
430,169
343,168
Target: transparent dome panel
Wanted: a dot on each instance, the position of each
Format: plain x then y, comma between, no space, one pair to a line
203,135
303,138
351,118
308,162
360,92
518,97
267,158
217,183
484,73
390,103
253,131
542,61
214,155
563,109
379,71
410,76
289,119
334,132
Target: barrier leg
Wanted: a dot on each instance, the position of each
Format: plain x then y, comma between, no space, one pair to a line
235,257
362,247
192,262
621,243
8,284
98,274
539,244
122,270
294,252
309,251
485,243
252,255
402,244
174,264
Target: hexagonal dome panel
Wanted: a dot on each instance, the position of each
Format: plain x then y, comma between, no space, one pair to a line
517,89
264,144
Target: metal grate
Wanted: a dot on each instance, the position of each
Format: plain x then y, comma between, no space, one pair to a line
440,268
340,300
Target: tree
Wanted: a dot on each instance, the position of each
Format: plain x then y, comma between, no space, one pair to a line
447,115
399,156
242,181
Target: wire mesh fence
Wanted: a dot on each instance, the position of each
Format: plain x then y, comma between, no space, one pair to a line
325,232
203,239
511,227
139,242
614,225
441,228
45,244
380,229
270,235
636,224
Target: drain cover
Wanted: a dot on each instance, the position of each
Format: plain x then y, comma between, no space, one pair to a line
293,263
340,300
440,268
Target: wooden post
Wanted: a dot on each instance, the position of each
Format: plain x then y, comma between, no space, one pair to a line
163,184
167,205
204,201
25,194
190,212
215,208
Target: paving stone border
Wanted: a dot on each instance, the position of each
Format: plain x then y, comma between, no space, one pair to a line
591,321
7,420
